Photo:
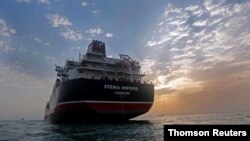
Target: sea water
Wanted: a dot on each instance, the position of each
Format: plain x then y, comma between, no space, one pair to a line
140,128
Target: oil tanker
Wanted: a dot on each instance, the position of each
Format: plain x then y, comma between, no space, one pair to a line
99,88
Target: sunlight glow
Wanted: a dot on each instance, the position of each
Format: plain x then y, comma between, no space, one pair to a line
179,83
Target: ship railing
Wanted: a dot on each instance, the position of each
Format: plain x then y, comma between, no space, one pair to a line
102,60
97,76
116,79
96,68
110,70
121,78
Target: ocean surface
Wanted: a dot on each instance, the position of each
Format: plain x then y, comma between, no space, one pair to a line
141,128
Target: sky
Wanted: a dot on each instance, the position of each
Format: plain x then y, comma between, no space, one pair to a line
197,53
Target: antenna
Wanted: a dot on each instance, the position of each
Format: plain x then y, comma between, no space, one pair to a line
79,56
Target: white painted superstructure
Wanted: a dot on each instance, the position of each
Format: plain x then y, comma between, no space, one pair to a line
96,65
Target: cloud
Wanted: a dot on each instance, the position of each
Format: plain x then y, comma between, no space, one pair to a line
151,43
12,31
179,83
204,55
188,54
57,21
195,9
36,39
5,37
23,1
212,40
47,2
109,35
71,35
192,7
172,18
94,31
200,23
84,4
147,65
47,44
21,48
215,21
95,11
218,8
35,53
237,8
4,30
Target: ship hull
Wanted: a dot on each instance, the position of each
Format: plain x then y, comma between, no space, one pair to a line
84,100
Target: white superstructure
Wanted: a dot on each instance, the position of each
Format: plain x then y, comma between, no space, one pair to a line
96,65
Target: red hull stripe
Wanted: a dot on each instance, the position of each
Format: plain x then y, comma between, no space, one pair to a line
119,106
101,106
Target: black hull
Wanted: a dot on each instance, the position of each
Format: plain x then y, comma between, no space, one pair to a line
84,100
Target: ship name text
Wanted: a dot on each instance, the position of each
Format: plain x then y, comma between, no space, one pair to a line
117,87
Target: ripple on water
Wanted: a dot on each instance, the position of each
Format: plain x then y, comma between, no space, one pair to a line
142,128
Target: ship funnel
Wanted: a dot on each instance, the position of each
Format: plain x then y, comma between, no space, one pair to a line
96,48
